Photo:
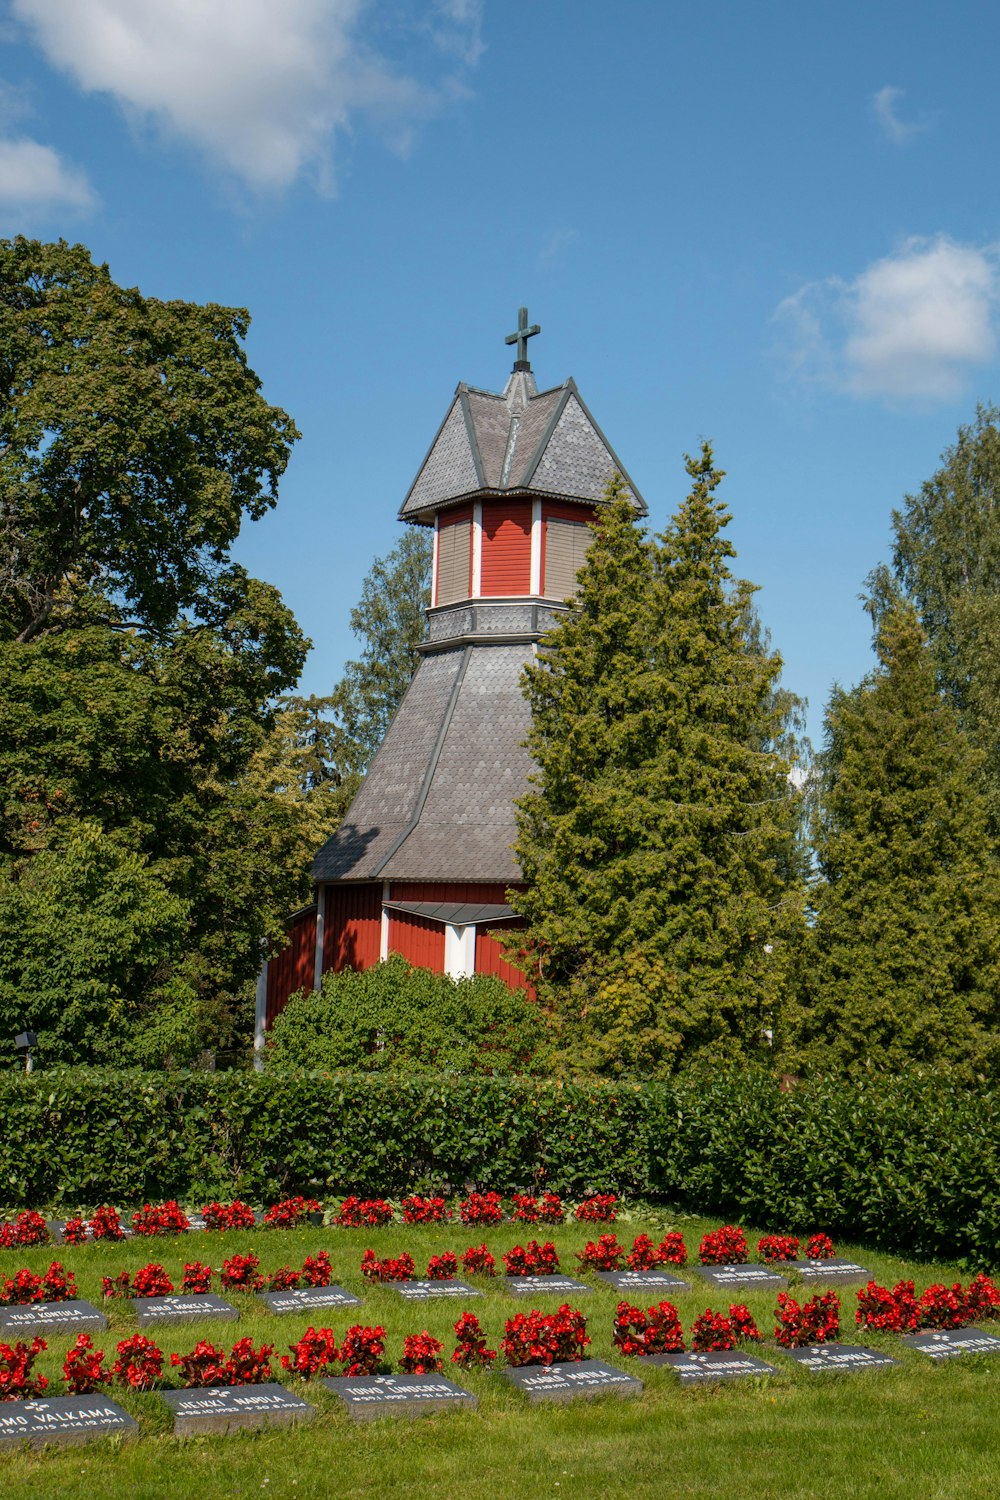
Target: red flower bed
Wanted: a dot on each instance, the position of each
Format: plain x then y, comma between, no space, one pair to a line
106,1224
982,1299
362,1350
889,1312
83,1368
819,1247
655,1331
139,1363
398,1269
418,1210
477,1261
471,1352
602,1208
481,1208
222,1216
241,1273
290,1212
317,1270
363,1213
772,1248
724,1247
197,1277
74,1231
208,1365
814,1322
535,1338
314,1354
28,1228
532,1259
643,1255
545,1210
283,1279
712,1330
743,1324
16,1380
606,1255
673,1251
442,1267
421,1354
54,1285
164,1218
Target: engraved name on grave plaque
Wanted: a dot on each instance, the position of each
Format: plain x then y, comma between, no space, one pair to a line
948,1343
187,1307
571,1380
51,1317
229,1407
309,1299
544,1286
370,1396
62,1419
714,1364
656,1280
421,1291
829,1270
733,1278
822,1358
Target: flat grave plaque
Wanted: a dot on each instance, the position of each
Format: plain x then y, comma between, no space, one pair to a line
62,1419
714,1364
822,1358
743,1278
51,1317
829,1270
57,1229
370,1396
422,1291
642,1282
225,1408
948,1343
544,1286
186,1307
308,1299
571,1381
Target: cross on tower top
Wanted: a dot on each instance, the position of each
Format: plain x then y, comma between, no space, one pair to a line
521,337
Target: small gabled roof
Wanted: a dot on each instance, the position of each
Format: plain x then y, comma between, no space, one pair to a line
543,441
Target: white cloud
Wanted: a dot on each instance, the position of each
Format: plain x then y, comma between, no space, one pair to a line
35,178
886,106
911,326
260,86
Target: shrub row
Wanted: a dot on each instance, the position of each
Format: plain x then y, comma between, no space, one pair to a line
910,1164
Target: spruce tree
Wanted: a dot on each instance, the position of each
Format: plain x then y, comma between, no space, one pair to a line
656,845
904,958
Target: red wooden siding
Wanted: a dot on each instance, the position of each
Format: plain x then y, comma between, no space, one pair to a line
352,926
294,967
491,959
418,941
506,548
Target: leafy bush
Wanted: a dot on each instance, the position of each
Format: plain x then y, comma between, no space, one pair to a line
393,1017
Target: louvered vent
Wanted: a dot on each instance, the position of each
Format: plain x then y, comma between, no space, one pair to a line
566,544
454,555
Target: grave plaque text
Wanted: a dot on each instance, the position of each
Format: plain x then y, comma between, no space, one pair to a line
656,1281
733,1278
544,1286
187,1307
62,1419
370,1396
420,1291
309,1299
714,1364
830,1270
571,1380
821,1358
948,1343
224,1408
70,1318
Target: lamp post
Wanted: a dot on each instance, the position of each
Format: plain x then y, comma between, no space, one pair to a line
24,1042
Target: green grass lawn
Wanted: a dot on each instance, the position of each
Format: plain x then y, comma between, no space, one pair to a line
922,1430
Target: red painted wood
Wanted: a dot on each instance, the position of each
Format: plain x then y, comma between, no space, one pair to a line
444,890
294,967
506,567
418,941
352,926
491,959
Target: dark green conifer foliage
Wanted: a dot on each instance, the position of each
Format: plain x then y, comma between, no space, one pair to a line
903,961
656,844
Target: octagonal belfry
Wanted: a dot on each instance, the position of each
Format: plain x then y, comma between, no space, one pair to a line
423,861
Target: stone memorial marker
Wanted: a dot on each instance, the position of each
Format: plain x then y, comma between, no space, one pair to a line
62,1419
225,1408
571,1381
821,1358
741,1278
714,1364
185,1307
308,1299
642,1283
421,1291
829,1270
70,1318
57,1229
544,1286
370,1396
948,1343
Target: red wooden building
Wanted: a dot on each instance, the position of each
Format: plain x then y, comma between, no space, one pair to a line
422,863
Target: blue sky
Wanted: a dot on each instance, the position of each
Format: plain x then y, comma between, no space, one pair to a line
775,225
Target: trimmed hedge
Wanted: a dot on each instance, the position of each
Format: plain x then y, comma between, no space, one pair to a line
907,1164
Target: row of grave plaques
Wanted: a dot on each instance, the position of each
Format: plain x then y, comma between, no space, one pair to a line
219,1409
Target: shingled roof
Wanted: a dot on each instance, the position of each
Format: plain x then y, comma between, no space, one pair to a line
488,444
